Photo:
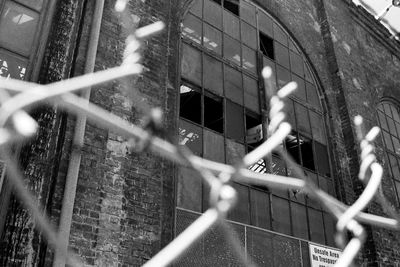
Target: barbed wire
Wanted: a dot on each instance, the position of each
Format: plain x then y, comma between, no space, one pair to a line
16,124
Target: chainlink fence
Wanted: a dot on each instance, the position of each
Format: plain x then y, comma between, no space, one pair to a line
207,239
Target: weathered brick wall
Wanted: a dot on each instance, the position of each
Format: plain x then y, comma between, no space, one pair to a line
124,206
21,244
367,67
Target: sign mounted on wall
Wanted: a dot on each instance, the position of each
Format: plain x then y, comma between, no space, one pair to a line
321,256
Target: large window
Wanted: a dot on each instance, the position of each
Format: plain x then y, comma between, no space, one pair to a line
225,44
389,120
19,22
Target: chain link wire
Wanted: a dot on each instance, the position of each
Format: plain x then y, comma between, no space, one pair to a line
199,237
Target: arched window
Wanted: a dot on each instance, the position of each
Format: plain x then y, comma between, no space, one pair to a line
389,121
225,44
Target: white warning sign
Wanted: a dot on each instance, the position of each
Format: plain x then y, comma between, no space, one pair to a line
323,256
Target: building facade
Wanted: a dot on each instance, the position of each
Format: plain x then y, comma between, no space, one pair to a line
203,71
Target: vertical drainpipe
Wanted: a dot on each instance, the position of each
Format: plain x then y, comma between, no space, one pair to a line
76,153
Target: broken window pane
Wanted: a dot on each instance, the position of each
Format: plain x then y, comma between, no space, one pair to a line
282,55
12,66
280,215
267,45
249,59
212,39
280,35
213,13
322,160
292,146
18,28
213,113
191,136
232,6
265,24
231,25
260,209
233,85
249,35
192,28
232,50
191,64
214,146
254,130
299,217
234,121
251,100
212,74
240,213
248,12
190,104
306,151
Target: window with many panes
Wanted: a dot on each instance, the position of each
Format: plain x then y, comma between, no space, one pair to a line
19,26
389,121
225,44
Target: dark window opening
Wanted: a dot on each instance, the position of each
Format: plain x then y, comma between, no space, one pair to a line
267,45
306,152
213,113
292,146
254,131
190,104
232,6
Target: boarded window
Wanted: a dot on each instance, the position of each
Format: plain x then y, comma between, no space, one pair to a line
234,121
213,113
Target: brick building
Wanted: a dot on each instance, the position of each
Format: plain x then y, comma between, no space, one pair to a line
203,71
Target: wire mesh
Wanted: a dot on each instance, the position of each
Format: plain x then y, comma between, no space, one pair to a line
207,237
